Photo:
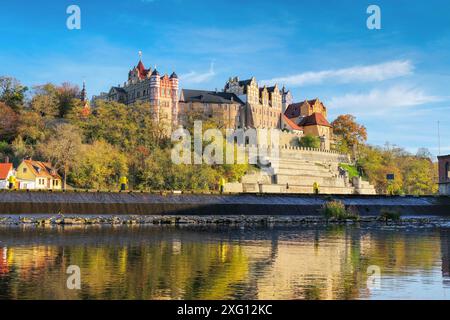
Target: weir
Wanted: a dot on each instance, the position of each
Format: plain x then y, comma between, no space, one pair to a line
114,203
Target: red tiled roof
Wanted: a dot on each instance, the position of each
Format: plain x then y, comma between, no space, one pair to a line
5,168
313,120
291,123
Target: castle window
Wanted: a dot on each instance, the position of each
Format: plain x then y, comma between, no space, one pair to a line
447,170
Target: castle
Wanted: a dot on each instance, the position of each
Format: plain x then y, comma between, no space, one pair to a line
147,85
243,104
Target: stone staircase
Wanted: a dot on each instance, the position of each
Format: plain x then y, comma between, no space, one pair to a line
295,170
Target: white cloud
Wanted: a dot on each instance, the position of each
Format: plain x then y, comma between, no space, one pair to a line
369,73
196,77
380,102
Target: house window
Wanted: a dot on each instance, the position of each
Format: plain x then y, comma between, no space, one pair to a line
24,170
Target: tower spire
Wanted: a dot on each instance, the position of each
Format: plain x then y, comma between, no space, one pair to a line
83,92
140,55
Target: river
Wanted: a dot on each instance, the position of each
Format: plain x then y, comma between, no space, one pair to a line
226,262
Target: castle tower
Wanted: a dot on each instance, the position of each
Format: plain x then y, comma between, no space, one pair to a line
174,96
155,84
286,99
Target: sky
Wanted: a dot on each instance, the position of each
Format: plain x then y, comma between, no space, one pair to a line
395,80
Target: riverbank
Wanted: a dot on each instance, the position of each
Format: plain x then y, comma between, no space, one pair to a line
133,203
74,220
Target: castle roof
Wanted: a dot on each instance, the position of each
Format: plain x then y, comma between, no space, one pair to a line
174,75
292,125
203,96
294,109
316,119
118,89
141,69
155,73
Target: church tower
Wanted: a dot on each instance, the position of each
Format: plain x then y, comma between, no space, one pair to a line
86,110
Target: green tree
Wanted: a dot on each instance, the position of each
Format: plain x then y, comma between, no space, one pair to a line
310,141
99,165
12,93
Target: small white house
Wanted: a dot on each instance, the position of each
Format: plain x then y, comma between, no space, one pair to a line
6,170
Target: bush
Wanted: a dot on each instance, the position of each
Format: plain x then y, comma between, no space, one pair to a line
336,210
352,170
390,214
310,141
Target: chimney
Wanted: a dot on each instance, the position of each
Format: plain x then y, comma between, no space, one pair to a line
7,159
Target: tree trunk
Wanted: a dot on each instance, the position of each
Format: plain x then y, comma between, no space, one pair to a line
65,177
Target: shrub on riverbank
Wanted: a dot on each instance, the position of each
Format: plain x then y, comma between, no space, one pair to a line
390,214
336,210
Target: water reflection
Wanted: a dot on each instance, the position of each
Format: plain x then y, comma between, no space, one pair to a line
153,262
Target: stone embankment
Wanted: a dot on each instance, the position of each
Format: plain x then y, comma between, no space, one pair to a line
114,203
74,220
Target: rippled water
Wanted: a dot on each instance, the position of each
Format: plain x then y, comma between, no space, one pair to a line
154,262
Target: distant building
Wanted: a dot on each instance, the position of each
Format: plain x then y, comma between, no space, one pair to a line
6,170
309,116
146,85
444,175
225,108
86,110
38,175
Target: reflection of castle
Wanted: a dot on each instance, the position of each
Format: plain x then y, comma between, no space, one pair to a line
4,260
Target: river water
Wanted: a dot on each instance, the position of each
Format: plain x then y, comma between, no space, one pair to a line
219,262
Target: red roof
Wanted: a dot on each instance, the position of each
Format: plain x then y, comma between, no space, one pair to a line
316,119
142,70
5,168
291,123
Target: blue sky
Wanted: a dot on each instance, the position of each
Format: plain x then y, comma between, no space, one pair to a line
394,80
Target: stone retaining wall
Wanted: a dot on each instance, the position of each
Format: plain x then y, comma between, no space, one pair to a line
98,203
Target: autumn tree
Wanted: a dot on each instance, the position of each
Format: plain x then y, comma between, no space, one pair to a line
99,165
45,100
67,98
348,132
12,93
8,122
62,148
